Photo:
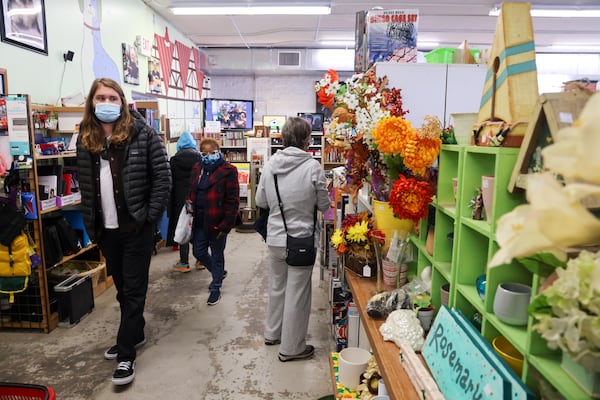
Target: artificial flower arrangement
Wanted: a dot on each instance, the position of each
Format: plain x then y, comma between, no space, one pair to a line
568,310
382,147
356,235
535,235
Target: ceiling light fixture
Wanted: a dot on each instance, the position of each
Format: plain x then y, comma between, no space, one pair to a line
575,48
253,10
338,43
427,44
563,12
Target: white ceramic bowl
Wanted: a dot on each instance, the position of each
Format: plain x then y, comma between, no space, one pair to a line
511,301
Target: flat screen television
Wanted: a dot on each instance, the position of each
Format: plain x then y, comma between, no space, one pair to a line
231,114
314,119
274,122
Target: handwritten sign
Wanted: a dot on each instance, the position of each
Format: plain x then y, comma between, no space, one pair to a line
460,368
465,366
518,391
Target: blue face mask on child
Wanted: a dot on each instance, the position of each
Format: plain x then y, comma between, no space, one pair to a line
108,112
211,159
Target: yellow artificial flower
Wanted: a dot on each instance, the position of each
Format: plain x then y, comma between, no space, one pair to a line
337,238
358,232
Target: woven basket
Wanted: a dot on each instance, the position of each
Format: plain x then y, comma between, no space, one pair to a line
356,263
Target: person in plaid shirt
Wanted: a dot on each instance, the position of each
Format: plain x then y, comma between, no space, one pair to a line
214,199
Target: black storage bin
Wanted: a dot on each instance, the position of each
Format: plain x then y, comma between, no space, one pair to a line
75,299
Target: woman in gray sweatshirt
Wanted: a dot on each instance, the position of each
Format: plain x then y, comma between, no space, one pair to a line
302,186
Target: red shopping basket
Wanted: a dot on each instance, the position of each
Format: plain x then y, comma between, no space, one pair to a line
23,391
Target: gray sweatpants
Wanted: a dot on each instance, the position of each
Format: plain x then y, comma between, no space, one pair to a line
288,311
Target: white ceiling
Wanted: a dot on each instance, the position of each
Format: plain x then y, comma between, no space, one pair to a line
445,22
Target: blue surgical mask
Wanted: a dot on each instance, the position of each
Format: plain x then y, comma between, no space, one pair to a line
211,159
108,112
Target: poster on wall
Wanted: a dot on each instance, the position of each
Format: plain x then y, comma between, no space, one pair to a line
243,176
259,151
23,24
392,35
131,71
17,125
155,79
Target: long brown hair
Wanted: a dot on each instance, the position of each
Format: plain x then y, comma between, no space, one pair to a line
90,130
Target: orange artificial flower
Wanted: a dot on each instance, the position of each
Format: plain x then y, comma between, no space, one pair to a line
391,134
324,98
409,198
419,153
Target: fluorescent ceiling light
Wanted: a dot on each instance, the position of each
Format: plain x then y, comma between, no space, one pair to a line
556,12
253,10
427,44
575,48
337,42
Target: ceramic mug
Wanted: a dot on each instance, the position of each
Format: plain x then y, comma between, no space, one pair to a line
511,302
353,362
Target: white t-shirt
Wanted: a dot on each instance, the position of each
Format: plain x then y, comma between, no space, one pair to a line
107,196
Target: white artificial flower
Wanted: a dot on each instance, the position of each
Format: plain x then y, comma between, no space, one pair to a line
575,153
554,219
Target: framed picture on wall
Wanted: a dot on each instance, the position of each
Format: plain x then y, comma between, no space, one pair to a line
155,80
3,82
131,70
23,24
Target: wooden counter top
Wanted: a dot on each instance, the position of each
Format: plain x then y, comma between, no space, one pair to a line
397,381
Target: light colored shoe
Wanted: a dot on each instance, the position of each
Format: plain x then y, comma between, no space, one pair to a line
181,267
200,266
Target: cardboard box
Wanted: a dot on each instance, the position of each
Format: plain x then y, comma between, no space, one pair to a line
47,204
75,299
391,35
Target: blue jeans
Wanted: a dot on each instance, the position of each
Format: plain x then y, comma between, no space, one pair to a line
215,261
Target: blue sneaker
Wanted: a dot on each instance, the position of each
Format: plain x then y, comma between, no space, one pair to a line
214,297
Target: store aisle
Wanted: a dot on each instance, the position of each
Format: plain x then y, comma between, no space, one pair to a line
193,351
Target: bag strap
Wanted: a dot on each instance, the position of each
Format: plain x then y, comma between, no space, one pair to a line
281,208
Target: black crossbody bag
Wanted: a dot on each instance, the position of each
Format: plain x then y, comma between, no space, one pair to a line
300,252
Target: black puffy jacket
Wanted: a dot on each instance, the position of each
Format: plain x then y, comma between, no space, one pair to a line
181,169
146,178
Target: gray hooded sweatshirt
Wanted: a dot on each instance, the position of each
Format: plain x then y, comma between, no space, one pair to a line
302,184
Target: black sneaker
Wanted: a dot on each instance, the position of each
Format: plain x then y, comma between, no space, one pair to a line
113,352
272,342
214,298
124,373
307,353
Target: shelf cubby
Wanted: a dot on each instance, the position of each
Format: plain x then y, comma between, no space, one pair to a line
473,247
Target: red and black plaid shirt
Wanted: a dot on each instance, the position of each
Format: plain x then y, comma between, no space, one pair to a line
221,198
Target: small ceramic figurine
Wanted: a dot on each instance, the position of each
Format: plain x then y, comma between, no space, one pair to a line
477,204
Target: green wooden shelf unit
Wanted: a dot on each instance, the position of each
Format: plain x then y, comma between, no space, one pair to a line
461,260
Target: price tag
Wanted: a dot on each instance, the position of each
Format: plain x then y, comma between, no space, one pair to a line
367,271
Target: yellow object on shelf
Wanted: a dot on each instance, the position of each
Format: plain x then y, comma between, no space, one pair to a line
509,354
386,222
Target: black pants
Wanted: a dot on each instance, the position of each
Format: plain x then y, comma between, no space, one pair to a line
128,261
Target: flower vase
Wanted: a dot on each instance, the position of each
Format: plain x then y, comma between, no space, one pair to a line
487,193
425,316
430,240
587,378
386,222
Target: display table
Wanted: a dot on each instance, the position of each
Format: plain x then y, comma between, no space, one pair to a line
397,381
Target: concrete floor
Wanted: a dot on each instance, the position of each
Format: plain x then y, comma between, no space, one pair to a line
193,351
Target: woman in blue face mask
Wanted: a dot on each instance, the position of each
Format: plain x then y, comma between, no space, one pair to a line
125,181
215,200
